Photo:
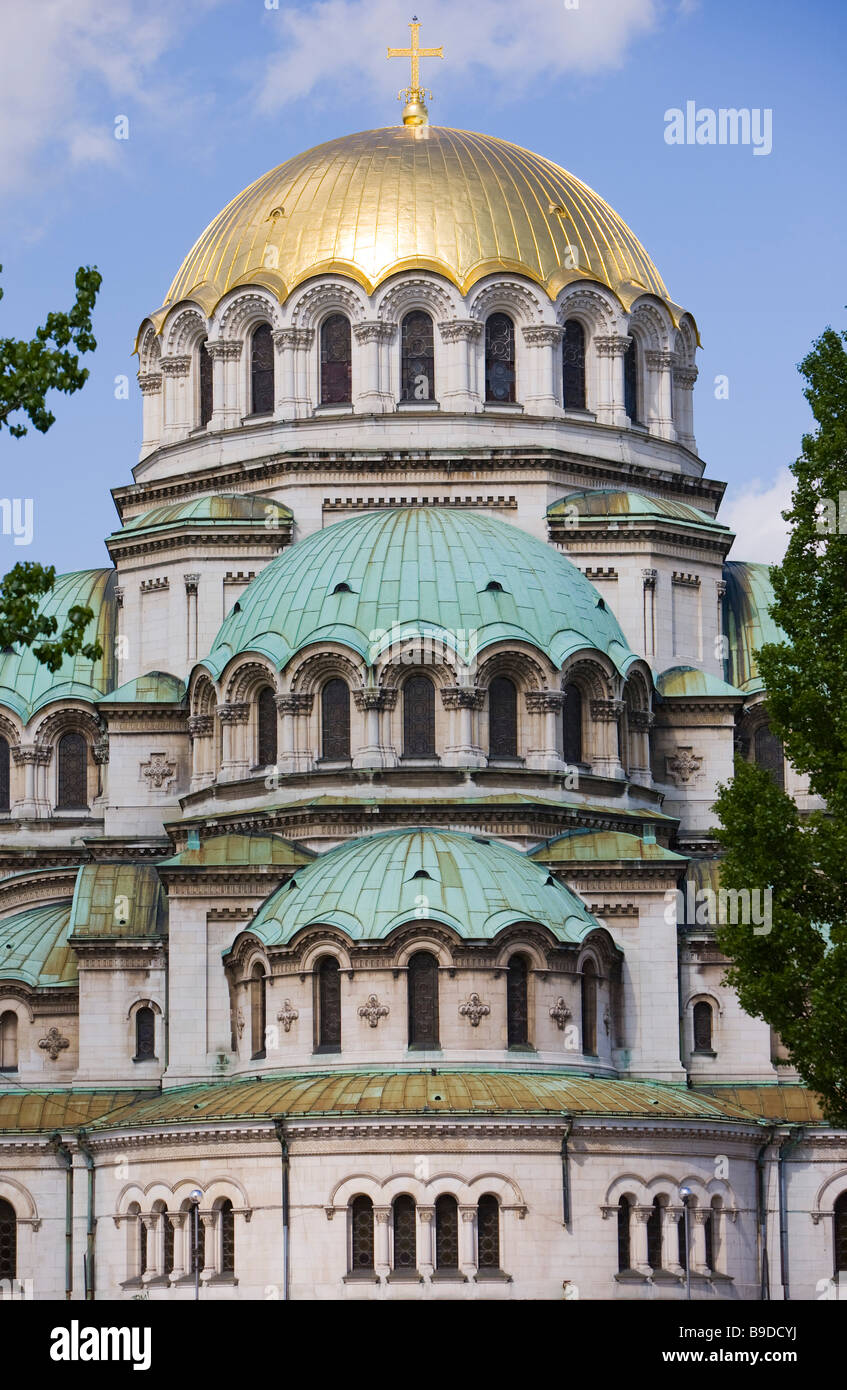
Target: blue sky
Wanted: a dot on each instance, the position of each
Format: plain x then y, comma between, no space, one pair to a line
218,91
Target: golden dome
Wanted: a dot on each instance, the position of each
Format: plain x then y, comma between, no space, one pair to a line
404,197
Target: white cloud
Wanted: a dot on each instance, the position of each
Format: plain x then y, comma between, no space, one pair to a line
343,42
753,512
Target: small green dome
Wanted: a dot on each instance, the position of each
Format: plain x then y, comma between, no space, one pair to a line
620,505
747,622
224,509
688,681
26,685
452,577
34,947
369,886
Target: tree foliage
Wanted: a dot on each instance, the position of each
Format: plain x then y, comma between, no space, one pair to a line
29,368
795,977
21,592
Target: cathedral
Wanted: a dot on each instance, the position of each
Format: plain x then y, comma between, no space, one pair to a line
357,910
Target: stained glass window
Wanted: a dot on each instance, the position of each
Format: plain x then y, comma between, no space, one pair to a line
145,1034
227,1220
573,366
72,760
499,358
362,1233
589,1009
572,723
262,371
417,358
336,360
419,717
623,1234
630,382
517,1009
488,1232
206,386
266,719
405,1241
423,1000
446,1232
335,720
702,1027
502,718
168,1225
329,1004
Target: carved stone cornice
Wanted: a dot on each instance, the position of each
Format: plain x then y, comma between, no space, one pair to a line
375,699
685,377
234,713
298,702
462,697
37,753
661,360
542,334
545,701
613,345
176,366
293,337
228,349
374,331
460,330
641,719
149,383
685,580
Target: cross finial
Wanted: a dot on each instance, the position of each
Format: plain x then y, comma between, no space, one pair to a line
415,112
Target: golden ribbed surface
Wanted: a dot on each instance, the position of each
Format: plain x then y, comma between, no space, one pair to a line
450,201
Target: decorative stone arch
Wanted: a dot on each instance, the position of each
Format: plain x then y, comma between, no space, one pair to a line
221,1186
630,1185
202,693
636,722
685,342
652,322
247,675
20,1197
203,728
243,310
522,939
131,1194
833,1187
309,306
16,998
307,673
593,671
597,309
47,734
507,296
314,942
185,327
417,654
527,667
149,349
753,717
401,295
424,935
597,681
353,1185
78,719
10,728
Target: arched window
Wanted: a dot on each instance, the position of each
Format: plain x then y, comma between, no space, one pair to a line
517,1006
206,386
329,1005
266,722
417,358
702,1026
8,1041
227,1237
499,358
572,724
335,720
709,1238
654,1235
136,1243
4,774
361,1233
195,1238
630,382
488,1232
423,1000
72,777
839,1217
446,1232
573,366
165,1233
257,1010
682,1244
405,1242
589,1008
419,718
8,1241
624,1214
145,1035
262,371
768,754
336,360
502,718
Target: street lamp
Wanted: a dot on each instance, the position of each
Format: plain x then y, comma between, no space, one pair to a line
686,1195
196,1198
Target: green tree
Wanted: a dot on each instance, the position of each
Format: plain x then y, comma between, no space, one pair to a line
795,976
28,370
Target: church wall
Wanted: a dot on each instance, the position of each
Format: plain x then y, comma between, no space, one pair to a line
112,984
693,750
149,769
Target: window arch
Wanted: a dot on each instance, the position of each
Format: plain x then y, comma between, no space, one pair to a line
8,1241
136,1243
654,1235
204,364
419,717
165,1237
145,1034
572,723
335,720
262,370
72,758
336,360
502,718
589,1008
702,1015
194,1240
266,726
4,775
423,1000
361,1234
8,1041
329,1005
768,754
624,1215
226,1218
446,1232
517,1001
417,357
631,384
682,1243
573,366
488,1232
258,1010
405,1235
839,1218
709,1236
499,358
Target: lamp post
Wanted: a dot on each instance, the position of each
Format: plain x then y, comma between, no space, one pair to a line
685,1194
196,1198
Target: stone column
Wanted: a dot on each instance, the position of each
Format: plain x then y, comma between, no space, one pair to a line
375,752
150,385
700,1216
382,1262
182,1237
467,1254
648,577
426,1244
683,381
235,759
549,703
640,1262
303,403
149,1234
192,582
605,718
208,1223
610,403
201,728
285,343
459,337
545,356
226,404
373,394
34,802
294,709
179,410
640,722
462,751
660,365
671,1216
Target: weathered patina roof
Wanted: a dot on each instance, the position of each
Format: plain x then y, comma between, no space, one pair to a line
451,578
623,506
371,885
26,685
232,851
154,688
747,622
217,509
687,681
788,1101
600,845
123,901
34,947
31,1112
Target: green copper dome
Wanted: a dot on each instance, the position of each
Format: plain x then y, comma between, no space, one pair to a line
621,505
451,577
369,886
747,623
34,947
26,685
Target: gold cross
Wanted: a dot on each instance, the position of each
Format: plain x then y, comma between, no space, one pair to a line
415,53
